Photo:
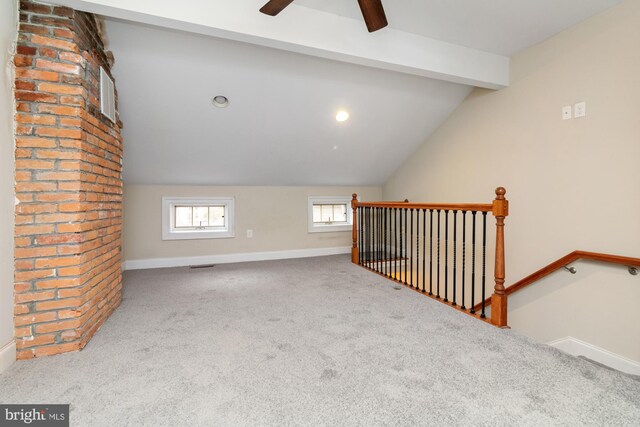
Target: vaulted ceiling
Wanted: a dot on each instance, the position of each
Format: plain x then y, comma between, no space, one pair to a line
503,27
287,76
279,127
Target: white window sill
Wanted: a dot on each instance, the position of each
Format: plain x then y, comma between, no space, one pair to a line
329,228
195,234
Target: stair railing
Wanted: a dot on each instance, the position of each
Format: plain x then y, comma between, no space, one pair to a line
437,249
631,263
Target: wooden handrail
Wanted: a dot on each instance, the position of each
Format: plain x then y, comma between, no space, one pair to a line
396,201
480,207
561,262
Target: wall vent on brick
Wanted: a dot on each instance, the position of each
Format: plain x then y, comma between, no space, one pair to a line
107,96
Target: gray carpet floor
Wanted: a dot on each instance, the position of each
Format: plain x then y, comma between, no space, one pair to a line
314,341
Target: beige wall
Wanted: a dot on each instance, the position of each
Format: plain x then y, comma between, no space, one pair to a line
573,184
277,216
8,33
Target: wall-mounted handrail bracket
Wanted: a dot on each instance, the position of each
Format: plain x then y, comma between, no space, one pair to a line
633,270
571,270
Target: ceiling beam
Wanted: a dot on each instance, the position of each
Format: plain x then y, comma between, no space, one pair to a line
312,32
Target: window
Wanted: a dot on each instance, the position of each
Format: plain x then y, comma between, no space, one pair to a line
197,218
330,214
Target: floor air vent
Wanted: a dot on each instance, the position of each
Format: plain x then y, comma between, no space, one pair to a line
193,267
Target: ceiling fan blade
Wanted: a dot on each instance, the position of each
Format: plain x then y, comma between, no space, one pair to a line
373,14
274,7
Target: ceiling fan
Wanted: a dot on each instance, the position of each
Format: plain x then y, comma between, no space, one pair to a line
372,11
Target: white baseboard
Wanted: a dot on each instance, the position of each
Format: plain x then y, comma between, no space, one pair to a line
7,355
142,264
576,347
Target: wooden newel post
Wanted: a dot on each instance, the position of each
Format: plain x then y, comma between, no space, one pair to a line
354,249
499,297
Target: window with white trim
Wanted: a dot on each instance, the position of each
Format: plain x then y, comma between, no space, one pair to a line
330,213
197,218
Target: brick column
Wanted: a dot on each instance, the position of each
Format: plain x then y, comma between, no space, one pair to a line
68,183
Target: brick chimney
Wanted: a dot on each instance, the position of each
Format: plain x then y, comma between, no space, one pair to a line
68,183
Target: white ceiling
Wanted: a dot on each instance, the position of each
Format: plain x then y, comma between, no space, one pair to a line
304,30
280,127
498,26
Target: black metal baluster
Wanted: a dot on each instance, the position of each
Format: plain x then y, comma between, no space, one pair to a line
403,238
372,230
371,235
410,239
401,246
376,240
363,211
395,243
446,255
389,251
381,241
359,211
464,253
365,232
400,210
417,248
386,241
380,250
381,245
392,243
430,251
384,247
438,269
424,249
455,245
484,258
361,235
405,246
365,229
374,237
366,235
377,268
473,263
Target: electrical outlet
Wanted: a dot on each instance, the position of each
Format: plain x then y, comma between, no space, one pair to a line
566,112
580,109
249,234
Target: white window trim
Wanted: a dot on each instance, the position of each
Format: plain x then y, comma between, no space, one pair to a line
327,228
168,203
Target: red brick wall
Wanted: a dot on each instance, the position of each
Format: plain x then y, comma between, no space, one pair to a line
68,182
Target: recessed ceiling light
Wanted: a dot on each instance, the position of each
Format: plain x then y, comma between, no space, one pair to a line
220,101
342,116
